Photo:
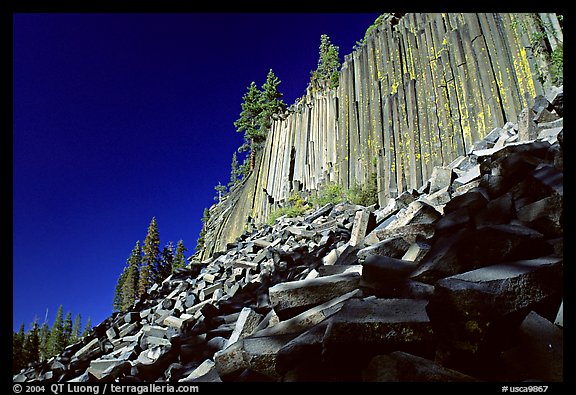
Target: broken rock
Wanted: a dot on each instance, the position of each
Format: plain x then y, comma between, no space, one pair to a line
359,228
539,354
364,328
385,276
477,312
296,296
393,247
399,366
247,321
204,373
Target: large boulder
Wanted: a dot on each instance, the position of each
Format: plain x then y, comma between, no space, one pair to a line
290,298
367,327
475,314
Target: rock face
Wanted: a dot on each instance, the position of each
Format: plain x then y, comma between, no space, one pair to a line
420,92
466,286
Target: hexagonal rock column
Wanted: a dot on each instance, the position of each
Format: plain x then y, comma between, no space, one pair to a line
475,314
291,298
364,328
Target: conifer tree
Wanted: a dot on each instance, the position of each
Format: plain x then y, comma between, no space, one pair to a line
117,301
249,122
270,101
221,191
245,167
56,343
75,336
87,328
44,337
326,74
258,106
201,239
67,328
234,172
163,267
151,252
179,258
130,286
18,359
32,345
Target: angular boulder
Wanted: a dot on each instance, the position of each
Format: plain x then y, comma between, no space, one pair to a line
365,328
477,312
290,298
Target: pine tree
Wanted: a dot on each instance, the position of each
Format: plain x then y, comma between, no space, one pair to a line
18,358
151,251
201,239
258,106
245,168
32,345
270,101
117,301
56,343
75,336
326,74
221,191
87,328
234,172
44,337
67,328
163,267
179,258
249,122
130,286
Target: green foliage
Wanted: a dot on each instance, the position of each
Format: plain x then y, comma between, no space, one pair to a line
220,192
249,121
539,42
244,169
179,258
557,65
41,343
31,349
164,265
75,336
249,116
371,28
326,73
130,286
145,266
374,25
117,301
57,341
235,173
202,237
365,194
295,207
258,106
270,101
87,328
18,358
44,336
362,194
67,328
206,216
151,252
330,193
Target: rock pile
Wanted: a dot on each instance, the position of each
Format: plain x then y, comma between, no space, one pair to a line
460,280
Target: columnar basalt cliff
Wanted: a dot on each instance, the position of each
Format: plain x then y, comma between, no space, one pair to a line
419,92
456,274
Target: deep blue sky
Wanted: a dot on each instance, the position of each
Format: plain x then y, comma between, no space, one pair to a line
122,117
